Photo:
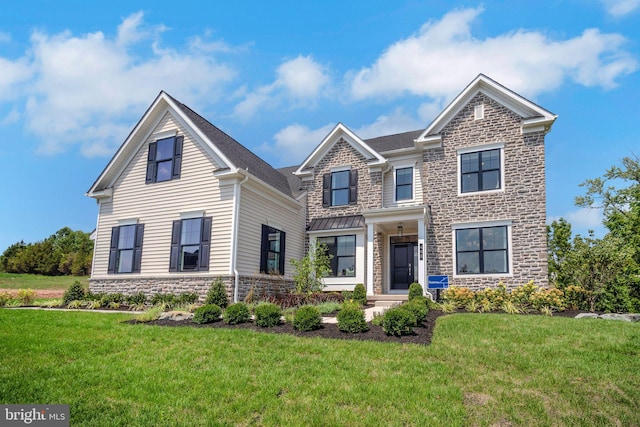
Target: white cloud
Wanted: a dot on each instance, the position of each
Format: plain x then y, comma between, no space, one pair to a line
13,75
620,8
11,118
388,124
444,55
582,220
299,81
87,90
296,141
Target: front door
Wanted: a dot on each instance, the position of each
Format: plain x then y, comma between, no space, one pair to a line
404,262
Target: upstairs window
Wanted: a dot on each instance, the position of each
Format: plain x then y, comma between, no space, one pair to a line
404,184
126,249
482,250
272,253
190,245
342,251
165,159
340,188
480,171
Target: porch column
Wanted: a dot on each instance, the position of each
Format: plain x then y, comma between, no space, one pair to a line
422,254
370,237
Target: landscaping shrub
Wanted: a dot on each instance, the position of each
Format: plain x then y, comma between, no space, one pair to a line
168,300
267,315
218,294
550,298
186,298
5,297
415,290
398,321
417,308
307,318
458,296
495,296
208,313
576,297
136,299
351,319
26,296
110,299
360,294
521,295
378,318
75,292
329,307
236,313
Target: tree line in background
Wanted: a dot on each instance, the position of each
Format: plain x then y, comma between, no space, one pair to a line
607,270
66,252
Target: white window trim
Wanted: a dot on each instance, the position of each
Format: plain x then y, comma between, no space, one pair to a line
192,214
474,149
165,134
413,182
340,168
128,221
345,283
481,224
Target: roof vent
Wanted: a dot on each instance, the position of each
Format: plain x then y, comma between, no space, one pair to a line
479,112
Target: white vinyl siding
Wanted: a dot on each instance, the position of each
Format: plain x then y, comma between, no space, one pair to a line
256,210
389,185
157,205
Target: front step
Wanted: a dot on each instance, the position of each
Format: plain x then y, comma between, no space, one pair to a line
385,303
387,300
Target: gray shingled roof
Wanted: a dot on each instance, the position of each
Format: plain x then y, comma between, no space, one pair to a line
295,183
393,142
237,153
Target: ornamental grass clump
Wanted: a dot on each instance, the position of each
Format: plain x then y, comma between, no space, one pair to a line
267,315
236,313
398,321
307,318
208,313
351,319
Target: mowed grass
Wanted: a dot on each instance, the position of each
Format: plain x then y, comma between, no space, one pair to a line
34,281
481,369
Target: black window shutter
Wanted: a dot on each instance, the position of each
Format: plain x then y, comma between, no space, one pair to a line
282,248
264,249
151,163
177,156
113,250
205,243
326,190
353,186
175,245
137,253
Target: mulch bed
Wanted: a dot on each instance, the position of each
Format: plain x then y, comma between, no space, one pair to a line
422,334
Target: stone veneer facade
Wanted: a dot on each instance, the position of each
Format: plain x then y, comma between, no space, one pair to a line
523,200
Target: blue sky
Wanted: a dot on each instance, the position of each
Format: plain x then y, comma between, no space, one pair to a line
76,76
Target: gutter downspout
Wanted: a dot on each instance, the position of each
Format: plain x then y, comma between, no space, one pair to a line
234,236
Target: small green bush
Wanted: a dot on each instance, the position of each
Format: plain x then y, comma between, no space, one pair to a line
75,292
267,315
109,299
236,313
136,299
351,319
307,318
208,313
398,321
186,298
26,296
5,297
218,294
415,290
168,300
360,294
418,308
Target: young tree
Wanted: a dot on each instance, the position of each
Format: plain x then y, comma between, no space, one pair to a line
311,269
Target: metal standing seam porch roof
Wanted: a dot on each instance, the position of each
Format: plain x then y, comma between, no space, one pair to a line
336,223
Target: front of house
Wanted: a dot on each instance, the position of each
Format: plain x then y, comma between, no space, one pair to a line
182,203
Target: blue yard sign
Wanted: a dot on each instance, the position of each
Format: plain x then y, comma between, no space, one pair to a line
438,282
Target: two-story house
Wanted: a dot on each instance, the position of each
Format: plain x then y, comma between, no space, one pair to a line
182,203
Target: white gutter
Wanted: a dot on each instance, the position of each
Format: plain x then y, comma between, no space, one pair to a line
234,236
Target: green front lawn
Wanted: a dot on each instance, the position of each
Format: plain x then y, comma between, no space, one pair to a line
34,281
481,369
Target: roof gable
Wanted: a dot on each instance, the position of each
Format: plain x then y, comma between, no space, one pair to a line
340,131
534,117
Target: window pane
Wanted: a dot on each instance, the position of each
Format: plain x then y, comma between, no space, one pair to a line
494,238
340,179
491,159
190,231
125,261
189,257
346,245
495,262
469,162
469,263
491,180
274,242
469,182
127,237
404,192
468,240
346,266
273,262
340,197
404,176
164,149
164,170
